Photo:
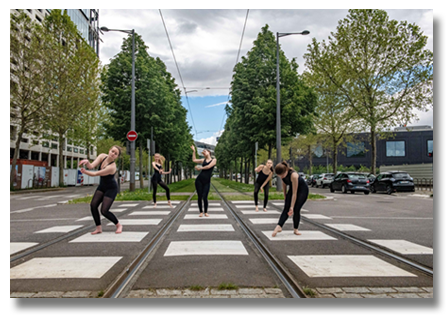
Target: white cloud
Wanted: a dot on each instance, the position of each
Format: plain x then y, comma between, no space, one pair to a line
224,103
212,140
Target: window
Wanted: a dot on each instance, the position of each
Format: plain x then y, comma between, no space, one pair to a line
81,151
395,148
356,149
318,151
45,144
54,146
429,148
75,150
38,18
401,175
69,149
24,140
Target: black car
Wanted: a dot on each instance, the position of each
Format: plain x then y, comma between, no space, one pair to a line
393,181
352,182
312,179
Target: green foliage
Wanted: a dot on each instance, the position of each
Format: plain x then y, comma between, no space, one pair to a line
225,285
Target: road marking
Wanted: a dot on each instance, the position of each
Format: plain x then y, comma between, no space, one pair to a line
139,221
25,198
128,205
118,210
212,216
166,202
242,202
29,209
209,209
315,216
402,246
158,207
347,266
149,213
305,235
16,247
406,218
260,212
347,227
212,247
65,228
205,227
111,237
41,220
88,218
67,267
268,220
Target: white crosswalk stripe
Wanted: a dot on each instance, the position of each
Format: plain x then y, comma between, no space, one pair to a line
210,247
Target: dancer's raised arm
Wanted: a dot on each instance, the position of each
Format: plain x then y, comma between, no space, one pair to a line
194,155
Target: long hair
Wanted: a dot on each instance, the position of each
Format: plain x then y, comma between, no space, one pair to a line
162,158
282,167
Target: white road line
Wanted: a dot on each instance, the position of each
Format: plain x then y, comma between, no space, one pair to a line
316,216
111,237
205,227
65,228
212,247
29,209
125,222
260,212
347,227
211,216
406,218
209,209
64,267
149,213
402,246
305,235
15,247
347,266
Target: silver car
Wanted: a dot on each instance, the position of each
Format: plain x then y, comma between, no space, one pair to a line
324,180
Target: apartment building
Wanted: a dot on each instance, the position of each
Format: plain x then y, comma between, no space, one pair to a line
47,149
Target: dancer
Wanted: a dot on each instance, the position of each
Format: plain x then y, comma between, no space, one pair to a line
294,200
157,178
107,189
265,175
202,182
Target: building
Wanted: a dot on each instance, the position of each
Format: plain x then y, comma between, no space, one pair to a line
33,148
202,145
405,145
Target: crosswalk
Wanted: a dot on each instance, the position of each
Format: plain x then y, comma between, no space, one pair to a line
187,243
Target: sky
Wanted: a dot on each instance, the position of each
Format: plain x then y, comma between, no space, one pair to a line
206,45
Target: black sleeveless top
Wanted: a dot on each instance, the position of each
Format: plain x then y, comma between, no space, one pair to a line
262,177
287,180
108,180
157,176
206,174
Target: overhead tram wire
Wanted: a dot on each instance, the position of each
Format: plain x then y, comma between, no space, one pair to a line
181,80
237,58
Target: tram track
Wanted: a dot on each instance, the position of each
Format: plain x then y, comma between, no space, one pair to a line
122,283
283,274
381,250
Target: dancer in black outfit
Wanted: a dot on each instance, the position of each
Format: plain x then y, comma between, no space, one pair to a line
202,182
264,176
107,189
157,178
294,200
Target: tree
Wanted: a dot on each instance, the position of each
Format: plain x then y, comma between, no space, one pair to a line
68,59
380,67
29,92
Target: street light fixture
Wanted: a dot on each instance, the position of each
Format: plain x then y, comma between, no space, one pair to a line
132,168
279,141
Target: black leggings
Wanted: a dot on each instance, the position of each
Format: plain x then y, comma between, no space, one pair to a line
266,193
302,195
154,189
98,198
202,189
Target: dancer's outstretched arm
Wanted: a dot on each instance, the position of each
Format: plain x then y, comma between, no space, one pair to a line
109,170
94,163
210,165
194,155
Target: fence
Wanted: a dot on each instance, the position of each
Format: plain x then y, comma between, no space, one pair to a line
423,184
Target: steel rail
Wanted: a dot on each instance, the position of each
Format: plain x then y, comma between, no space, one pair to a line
123,280
286,278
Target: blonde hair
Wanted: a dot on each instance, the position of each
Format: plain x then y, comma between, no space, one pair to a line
162,158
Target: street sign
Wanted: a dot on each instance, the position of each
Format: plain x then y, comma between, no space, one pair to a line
131,136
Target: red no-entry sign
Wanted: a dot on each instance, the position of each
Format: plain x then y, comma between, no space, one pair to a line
132,135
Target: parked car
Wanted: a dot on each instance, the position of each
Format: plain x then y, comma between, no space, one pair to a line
370,177
352,182
312,180
393,181
324,180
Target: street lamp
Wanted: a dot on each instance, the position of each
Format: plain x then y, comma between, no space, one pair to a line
279,141
132,168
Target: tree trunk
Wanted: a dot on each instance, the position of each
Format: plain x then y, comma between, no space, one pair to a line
311,160
335,158
142,184
373,144
270,152
14,160
61,161
241,171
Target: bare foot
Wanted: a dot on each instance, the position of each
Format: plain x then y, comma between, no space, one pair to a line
256,208
265,210
206,215
155,205
169,203
98,230
296,232
119,228
278,229
201,214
